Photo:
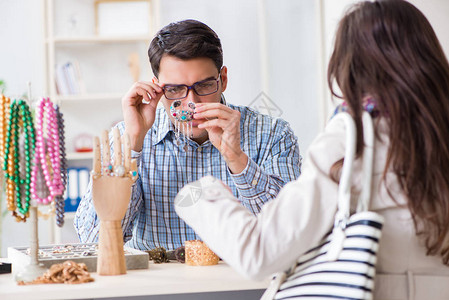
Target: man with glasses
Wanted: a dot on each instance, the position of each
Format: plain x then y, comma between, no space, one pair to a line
196,133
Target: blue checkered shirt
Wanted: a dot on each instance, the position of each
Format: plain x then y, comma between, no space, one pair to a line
165,167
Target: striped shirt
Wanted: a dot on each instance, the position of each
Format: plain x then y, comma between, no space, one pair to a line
166,164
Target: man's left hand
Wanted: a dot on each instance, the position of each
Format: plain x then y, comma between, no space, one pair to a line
223,126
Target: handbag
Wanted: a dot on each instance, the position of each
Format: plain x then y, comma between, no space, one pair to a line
342,266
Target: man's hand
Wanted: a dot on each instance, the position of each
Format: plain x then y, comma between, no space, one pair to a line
139,111
223,126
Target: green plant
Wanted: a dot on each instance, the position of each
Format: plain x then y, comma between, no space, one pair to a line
2,86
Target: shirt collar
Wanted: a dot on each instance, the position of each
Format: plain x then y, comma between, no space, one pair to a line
162,126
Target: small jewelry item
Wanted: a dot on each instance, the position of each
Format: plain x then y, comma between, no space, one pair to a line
177,254
158,255
198,254
182,114
20,120
66,272
183,118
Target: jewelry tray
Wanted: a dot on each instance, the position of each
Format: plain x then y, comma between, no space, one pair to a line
80,253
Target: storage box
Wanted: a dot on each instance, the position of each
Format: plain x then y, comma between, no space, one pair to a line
79,253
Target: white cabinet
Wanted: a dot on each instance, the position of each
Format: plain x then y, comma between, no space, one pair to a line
100,69
103,68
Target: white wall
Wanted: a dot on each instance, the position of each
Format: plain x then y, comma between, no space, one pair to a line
21,52
285,70
436,11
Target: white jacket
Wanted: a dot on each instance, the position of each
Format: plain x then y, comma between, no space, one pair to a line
303,213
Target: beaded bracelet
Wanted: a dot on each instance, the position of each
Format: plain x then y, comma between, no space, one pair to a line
20,117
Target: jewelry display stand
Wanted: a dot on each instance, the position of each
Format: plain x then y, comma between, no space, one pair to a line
112,185
34,269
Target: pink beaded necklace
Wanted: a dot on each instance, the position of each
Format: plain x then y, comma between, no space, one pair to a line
48,145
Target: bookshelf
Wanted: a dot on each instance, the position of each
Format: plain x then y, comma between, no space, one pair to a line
73,35
89,97
101,74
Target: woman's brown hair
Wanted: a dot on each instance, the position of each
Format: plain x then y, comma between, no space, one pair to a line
389,51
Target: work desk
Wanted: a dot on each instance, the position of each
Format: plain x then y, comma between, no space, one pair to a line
160,281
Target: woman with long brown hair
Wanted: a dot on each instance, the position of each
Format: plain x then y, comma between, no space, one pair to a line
386,57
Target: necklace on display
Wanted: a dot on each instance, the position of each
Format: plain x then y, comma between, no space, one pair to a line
47,152
59,200
18,177
4,108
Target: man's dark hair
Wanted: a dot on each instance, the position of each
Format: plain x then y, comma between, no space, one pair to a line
185,40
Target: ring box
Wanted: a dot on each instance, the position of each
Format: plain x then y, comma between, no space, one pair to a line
80,253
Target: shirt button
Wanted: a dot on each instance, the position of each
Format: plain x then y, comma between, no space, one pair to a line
254,182
199,149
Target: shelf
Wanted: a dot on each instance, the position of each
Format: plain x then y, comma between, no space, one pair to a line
79,155
69,215
99,39
87,97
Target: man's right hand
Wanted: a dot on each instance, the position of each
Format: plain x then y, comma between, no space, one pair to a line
139,111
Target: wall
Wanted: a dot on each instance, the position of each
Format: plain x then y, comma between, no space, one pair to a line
436,11
269,46
21,53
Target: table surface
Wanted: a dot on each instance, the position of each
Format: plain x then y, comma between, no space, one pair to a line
158,279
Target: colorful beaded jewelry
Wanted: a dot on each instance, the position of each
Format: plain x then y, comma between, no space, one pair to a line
182,118
59,200
49,146
180,114
369,105
20,117
4,108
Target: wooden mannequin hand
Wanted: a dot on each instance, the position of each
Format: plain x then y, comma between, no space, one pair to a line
111,191
112,181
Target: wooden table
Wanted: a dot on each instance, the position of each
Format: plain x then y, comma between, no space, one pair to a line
161,281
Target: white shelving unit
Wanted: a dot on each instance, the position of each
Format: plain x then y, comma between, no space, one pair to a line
79,156
70,35
103,62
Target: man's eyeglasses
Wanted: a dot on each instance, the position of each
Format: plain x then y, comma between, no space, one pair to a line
201,88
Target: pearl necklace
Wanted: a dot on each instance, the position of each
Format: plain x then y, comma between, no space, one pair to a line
19,115
49,147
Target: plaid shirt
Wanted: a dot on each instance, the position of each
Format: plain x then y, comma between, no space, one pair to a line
165,167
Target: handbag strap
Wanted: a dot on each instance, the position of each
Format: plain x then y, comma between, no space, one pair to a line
368,161
344,189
